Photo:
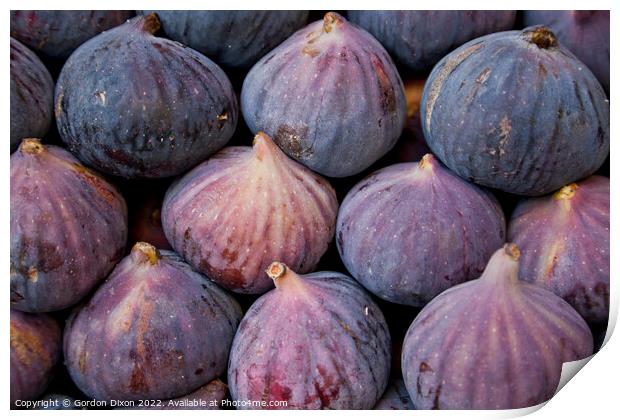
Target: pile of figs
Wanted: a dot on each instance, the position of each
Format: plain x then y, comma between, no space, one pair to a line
306,209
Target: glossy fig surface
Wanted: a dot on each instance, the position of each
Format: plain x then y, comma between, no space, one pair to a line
32,95
317,342
35,351
68,228
139,106
492,343
564,241
329,96
584,32
156,329
420,38
57,33
516,111
232,38
410,231
231,216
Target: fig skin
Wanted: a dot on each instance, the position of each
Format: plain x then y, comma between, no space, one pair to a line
155,329
317,341
584,32
395,397
235,213
418,39
558,133
32,95
330,97
207,397
492,343
409,231
231,38
35,351
138,106
564,240
68,228
57,33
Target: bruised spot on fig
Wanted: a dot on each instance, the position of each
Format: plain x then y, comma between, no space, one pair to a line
308,50
483,76
386,89
230,255
33,274
101,96
290,140
28,346
424,367
82,361
221,120
95,181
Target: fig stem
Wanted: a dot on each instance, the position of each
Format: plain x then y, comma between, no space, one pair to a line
543,37
512,250
331,20
276,270
145,252
149,23
31,146
426,161
566,192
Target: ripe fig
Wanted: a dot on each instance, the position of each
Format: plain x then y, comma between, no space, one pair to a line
316,341
35,350
232,38
329,96
208,397
235,213
516,111
492,343
138,106
155,329
32,95
57,33
395,397
409,231
68,228
420,38
584,32
564,240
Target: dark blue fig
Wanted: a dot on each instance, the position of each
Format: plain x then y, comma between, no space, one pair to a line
135,105
316,341
32,95
493,343
584,32
231,38
516,111
68,228
420,38
155,329
329,96
35,351
57,33
410,231
564,241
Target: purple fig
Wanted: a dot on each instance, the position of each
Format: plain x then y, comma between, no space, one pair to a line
35,350
32,95
316,341
410,231
155,329
492,343
564,240
238,211
68,228
330,96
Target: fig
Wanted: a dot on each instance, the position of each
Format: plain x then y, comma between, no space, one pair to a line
138,106
516,111
156,329
235,213
395,397
208,397
564,240
35,351
57,33
492,343
232,38
330,97
584,32
418,39
315,341
68,228
409,231
32,95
